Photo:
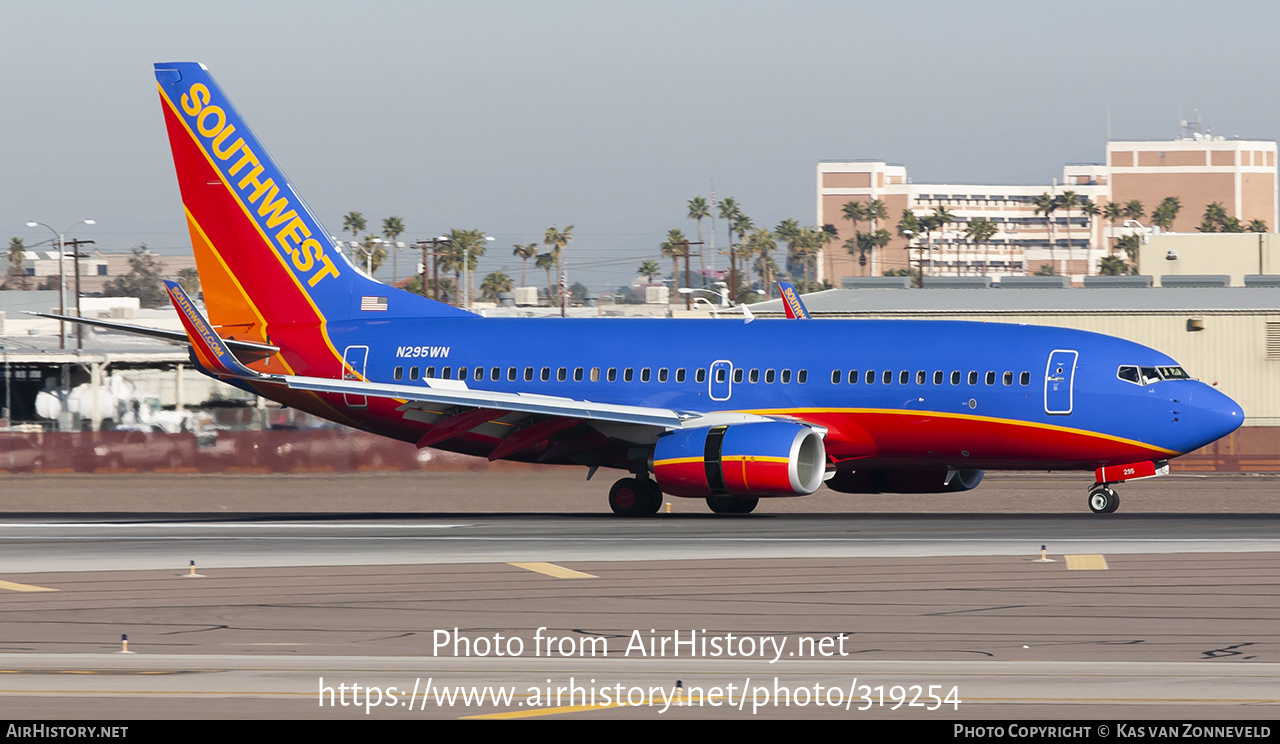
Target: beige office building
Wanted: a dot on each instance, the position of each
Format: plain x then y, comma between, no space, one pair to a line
1198,169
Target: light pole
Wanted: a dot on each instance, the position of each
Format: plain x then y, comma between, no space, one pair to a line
62,275
368,252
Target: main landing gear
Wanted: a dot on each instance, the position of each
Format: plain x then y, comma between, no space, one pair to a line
1103,499
732,504
635,497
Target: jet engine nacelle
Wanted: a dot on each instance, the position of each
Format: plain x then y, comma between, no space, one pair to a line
905,481
769,458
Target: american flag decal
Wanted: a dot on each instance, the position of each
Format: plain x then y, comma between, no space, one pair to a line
373,303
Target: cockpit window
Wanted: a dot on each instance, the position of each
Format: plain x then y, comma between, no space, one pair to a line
1149,375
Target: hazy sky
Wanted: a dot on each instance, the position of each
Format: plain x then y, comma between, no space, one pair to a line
511,117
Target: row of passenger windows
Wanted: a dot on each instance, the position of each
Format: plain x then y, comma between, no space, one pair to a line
921,377
753,376
562,374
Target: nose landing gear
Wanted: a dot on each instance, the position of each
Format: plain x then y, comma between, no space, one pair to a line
1103,499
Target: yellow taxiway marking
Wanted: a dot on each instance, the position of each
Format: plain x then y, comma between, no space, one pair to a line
551,569
15,587
1086,563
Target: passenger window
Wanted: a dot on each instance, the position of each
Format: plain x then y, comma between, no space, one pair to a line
429,373
546,374
398,374
920,377
737,375
1008,378
991,378
562,374
612,374
644,374
720,376
1024,378
768,376
871,377
937,377
495,374
528,374
462,373
903,376
973,378
786,376
853,377
754,376
680,375
887,377
511,374
577,374
955,377
628,374
802,376
835,377
595,374
447,373
700,376
662,374
413,373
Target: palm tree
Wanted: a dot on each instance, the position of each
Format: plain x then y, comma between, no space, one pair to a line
981,230
698,211
17,274
1256,226
547,262
495,283
1133,210
463,249
392,228
939,220
761,243
675,247
910,227
789,230
742,225
1068,201
556,240
1046,204
729,211
1112,213
1113,266
1166,213
649,269
1093,212
354,221
525,252
876,210
855,212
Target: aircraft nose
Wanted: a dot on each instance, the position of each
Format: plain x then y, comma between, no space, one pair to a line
1213,414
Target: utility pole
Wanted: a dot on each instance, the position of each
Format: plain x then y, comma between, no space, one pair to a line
75,245
688,296
435,244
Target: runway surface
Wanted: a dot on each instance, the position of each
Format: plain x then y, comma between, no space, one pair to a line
1144,613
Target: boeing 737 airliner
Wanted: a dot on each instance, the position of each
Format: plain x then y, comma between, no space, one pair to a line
723,410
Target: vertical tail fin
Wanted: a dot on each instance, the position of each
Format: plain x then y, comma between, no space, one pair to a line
791,302
263,257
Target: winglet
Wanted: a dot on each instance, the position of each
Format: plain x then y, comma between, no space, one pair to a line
791,302
209,350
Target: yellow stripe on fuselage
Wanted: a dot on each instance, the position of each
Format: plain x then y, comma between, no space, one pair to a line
800,413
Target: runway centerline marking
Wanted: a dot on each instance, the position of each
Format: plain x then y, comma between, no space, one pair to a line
16,587
551,569
1086,563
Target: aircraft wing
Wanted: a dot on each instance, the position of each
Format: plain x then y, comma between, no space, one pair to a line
452,392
